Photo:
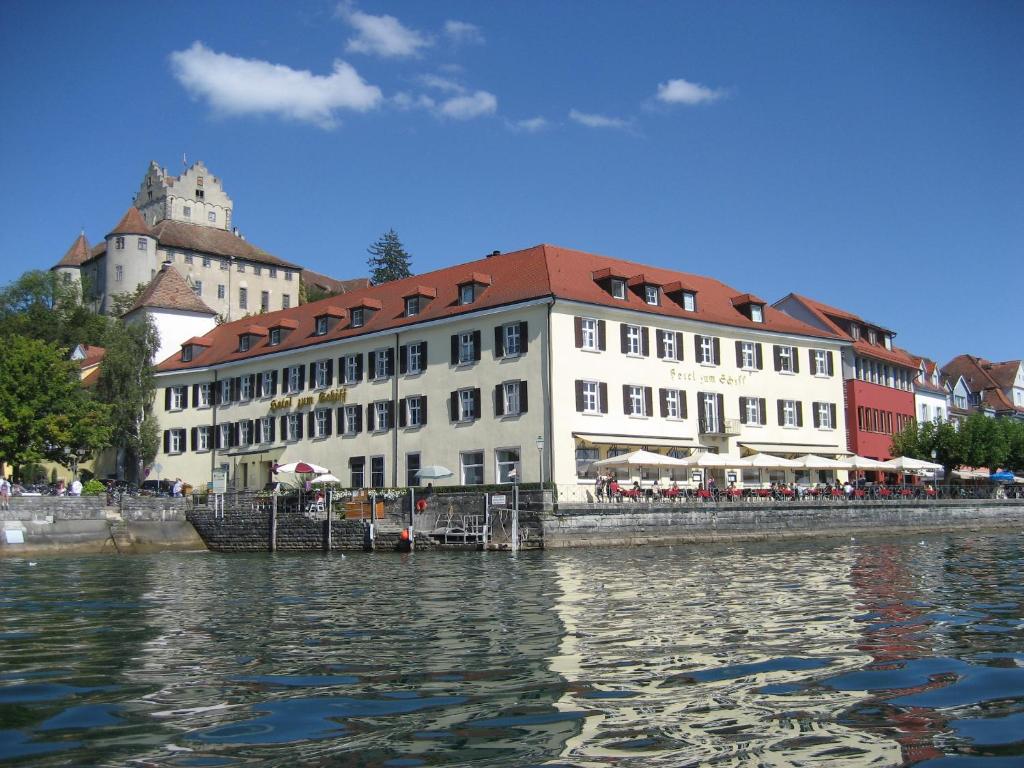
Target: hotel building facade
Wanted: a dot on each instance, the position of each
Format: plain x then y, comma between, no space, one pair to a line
541,360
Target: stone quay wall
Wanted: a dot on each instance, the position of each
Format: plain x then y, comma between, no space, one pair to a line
590,525
148,508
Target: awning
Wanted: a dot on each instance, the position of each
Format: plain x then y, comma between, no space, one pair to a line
800,448
656,440
265,454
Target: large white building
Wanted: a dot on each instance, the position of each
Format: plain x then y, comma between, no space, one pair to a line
541,360
185,220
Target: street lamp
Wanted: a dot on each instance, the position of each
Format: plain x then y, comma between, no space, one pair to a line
540,458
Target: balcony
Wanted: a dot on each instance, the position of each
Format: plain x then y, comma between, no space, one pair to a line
719,426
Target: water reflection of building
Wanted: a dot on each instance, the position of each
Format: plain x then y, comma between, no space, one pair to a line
656,648
889,591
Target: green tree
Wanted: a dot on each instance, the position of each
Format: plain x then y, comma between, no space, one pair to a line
983,442
45,414
389,260
126,382
42,305
122,302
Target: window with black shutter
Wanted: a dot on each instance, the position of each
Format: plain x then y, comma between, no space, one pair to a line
499,341
524,401
477,409
645,341
648,401
370,417
602,388
476,345
579,396
499,399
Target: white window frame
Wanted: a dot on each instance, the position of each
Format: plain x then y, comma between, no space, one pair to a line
177,398
245,387
358,317
321,326
225,436
203,438
672,410
380,370
380,416
786,355
821,362
414,359
513,340
221,291
351,369
756,313
175,438
789,414
244,342
652,295
321,419
669,346
350,419
753,412
225,391
825,416
143,244
618,288
291,424
467,294
293,379
591,397
466,348
748,355
637,402
244,432
268,383
588,334
412,306
466,405
203,392
320,375
689,301
414,411
712,418
707,350
634,341
266,426
510,397
503,468
463,466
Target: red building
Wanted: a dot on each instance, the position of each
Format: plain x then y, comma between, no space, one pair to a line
879,377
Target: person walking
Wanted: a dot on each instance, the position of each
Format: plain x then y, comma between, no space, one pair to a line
5,493
176,488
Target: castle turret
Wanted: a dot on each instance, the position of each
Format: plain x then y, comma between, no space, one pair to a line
69,268
194,197
131,257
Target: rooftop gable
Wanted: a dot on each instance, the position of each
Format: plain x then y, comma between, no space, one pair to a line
169,290
77,254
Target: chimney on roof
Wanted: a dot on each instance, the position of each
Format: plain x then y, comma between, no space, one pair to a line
166,265
494,253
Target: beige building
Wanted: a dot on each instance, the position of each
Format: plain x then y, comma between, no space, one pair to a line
185,220
542,361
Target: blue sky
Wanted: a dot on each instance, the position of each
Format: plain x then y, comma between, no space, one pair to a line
869,154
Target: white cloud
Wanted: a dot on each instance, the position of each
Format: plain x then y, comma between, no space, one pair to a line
530,125
467,107
463,32
405,100
598,121
381,35
444,84
236,86
684,92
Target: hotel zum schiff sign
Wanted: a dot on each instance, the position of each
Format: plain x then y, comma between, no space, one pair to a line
330,396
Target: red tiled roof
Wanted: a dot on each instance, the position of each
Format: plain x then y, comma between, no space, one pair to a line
422,290
746,298
220,242
861,346
984,378
77,254
331,311
169,290
325,283
93,355
534,273
1004,374
198,341
131,223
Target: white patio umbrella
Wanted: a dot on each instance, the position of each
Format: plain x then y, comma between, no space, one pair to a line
907,464
326,478
433,472
764,460
708,459
811,461
302,468
640,458
863,462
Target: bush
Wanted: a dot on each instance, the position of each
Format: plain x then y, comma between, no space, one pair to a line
93,488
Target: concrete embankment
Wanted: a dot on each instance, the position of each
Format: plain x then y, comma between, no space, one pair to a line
38,525
592,525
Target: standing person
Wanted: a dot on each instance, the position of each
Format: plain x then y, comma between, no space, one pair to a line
599,488
176,489
76,488
5,493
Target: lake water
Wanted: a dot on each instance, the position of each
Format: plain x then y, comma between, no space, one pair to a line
829,653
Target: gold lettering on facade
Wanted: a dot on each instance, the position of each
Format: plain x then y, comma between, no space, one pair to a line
307,400
334,396
279,403
724,379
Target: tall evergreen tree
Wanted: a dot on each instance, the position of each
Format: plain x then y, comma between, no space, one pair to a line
388,259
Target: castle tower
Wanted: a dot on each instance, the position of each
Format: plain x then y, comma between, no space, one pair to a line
131,257
69,268
194,197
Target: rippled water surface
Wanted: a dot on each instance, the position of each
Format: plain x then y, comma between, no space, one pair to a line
855,653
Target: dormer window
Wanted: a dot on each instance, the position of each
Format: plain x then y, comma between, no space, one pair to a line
872,336
321,326
275,337
757,313
186,353
618,288
416,301
750,306
358,317
467,293
855,331
888,341
412,306
652,295
243,343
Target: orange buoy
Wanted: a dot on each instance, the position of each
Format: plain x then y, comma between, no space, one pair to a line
404,535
